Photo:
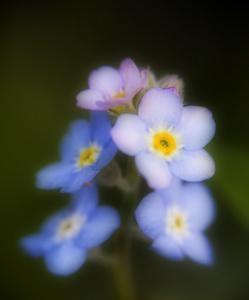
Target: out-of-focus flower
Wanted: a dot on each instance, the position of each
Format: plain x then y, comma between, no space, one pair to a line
66,237
110,88
167,139
86,149
175,218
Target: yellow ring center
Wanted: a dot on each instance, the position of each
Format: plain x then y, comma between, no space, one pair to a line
87,157
164,142
122,95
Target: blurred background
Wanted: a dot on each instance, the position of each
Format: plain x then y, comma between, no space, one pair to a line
48,49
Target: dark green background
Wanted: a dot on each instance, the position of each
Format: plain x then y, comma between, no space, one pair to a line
47,51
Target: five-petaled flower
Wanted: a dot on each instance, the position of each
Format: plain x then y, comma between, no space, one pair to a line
110,88
167,139
175,218
66,237
86,149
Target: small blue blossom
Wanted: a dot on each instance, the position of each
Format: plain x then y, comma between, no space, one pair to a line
175,218
167,139
66,237
109,88
86,149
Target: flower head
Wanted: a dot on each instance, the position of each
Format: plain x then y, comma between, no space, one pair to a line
86,149
175,218
167,139
66,237
110,88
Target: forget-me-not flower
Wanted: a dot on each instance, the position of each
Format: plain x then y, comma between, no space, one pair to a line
86,149
66,237
175,218
167,139
110,88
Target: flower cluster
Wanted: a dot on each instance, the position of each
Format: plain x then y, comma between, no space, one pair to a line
166,139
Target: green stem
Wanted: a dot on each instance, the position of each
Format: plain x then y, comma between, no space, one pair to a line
122,270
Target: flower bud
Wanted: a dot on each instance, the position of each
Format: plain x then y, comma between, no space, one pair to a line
172,81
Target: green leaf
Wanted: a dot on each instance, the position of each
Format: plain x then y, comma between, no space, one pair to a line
232,168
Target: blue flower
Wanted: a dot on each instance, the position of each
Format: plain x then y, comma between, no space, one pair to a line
66,237
167,139
175,218
86,149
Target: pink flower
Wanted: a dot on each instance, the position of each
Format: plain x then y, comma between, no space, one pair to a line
110,88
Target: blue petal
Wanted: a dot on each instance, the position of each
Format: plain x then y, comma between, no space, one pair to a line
172,193
197,201
65,259
78,137
195,165
150,215
160,107
75,183
107,80
130,73
106,155
100,127
130,134
198,248
38,244
54,176
50,226
90,99
154,169
197,127
168,247
86,199
99,227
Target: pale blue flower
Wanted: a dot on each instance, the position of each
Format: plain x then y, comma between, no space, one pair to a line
167,139
110,88
66,237
86,149
175,218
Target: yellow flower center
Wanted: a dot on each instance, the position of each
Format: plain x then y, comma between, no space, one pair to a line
178,223
88,156
66,226
119,95
70,226
164,142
